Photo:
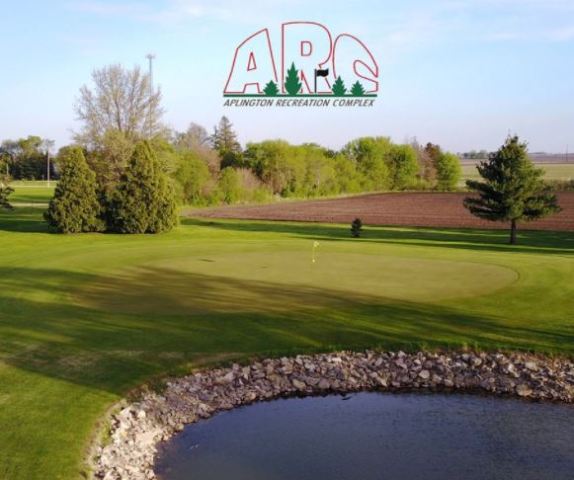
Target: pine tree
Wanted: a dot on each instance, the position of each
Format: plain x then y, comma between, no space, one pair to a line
144,201
357,90
5,189
224,138
356,228
339,88
292,82
271,89
513,189
75,207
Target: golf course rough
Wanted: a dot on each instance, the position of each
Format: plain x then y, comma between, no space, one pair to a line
84,319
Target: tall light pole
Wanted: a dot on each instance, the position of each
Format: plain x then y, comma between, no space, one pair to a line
150,57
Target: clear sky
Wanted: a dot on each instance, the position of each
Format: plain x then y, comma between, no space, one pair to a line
462,73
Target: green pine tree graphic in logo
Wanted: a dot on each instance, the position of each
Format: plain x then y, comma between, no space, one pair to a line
271,89
357,90
339,88
292,82
294,87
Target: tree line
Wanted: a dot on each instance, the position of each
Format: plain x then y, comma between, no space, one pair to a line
213,168
126,172
120,109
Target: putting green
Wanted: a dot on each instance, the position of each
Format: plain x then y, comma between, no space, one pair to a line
230,282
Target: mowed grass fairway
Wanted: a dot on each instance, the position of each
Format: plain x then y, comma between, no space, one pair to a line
28,192
86,318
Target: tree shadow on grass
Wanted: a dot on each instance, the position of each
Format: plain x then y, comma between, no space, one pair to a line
530,241
23,220
117,350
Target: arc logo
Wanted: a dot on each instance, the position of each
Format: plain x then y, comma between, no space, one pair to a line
305,65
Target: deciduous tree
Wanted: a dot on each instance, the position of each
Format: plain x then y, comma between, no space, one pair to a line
229,185
448,171
27,157
403,166
193,176
119,100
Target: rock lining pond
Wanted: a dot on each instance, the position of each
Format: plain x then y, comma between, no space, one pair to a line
138,428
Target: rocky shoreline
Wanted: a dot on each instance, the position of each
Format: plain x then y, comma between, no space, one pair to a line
137,429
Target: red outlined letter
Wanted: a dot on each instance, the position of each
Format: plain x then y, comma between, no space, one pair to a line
253,65
308,45
353,61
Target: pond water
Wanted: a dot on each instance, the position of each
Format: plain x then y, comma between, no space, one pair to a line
377,436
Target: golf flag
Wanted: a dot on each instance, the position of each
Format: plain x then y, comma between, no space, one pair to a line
320,73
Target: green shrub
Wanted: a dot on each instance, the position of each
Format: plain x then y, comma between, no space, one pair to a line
371,155
403,166
356,227
448,171
229,185
560,185
192,176
144,200
75,207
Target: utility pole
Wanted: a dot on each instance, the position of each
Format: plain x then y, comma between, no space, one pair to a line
150,57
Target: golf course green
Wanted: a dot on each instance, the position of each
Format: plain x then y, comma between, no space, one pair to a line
86,318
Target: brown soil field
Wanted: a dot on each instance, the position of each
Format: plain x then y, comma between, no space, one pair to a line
399,209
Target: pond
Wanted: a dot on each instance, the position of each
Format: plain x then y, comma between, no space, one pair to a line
377,436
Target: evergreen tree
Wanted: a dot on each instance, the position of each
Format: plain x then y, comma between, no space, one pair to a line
430,159
224,141
513,189
339,88
75,207
356,228
292,82
5,191
357,90
271,89
224,138
144,201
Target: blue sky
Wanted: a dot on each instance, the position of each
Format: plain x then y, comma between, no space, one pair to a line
462,73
